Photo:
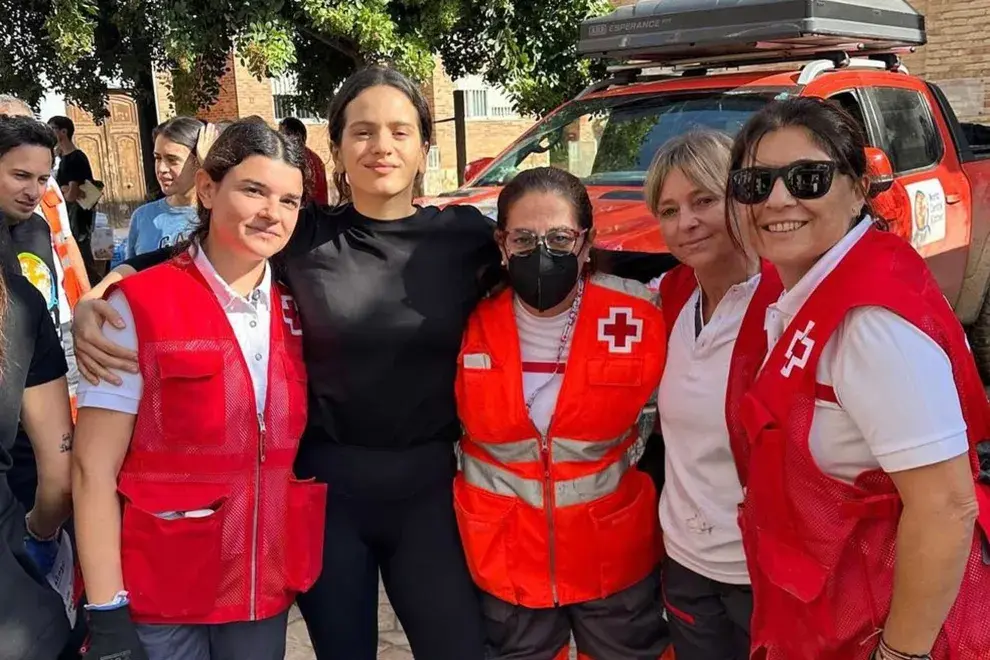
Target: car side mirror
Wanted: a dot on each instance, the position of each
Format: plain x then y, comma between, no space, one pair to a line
474,168
880,171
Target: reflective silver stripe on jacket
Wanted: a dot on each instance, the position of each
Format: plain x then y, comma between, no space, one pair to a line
622,285
521,451
496,480
593,486
500,481
583,451
563,450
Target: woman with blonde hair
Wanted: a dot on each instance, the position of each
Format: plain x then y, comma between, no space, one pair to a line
705,581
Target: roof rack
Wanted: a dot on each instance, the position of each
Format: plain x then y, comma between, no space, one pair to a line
636,72
716,33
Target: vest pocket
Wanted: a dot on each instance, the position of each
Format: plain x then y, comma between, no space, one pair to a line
172,565
307,504
193,399
794,575
627,533
483,520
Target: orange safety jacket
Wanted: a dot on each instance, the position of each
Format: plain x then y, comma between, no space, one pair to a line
821,552
53,210
560,518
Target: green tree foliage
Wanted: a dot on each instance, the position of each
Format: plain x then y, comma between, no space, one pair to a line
76,47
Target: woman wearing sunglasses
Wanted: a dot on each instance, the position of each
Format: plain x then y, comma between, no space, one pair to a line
858,517
706,585
559,529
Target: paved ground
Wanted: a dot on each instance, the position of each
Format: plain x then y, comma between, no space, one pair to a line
392,644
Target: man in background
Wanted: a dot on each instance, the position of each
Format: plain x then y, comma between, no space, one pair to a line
74,170
25,171
316,171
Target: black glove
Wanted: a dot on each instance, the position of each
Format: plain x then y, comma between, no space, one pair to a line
112,636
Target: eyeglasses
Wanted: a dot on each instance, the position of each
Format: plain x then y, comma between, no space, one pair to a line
806,179
559,241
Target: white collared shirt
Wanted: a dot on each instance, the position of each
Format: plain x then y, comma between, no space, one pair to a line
898,405
701,493
249,318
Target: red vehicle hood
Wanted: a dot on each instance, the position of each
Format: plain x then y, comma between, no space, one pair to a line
621,219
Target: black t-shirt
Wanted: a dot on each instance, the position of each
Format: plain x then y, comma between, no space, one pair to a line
384,306
74,167
32,355
32,240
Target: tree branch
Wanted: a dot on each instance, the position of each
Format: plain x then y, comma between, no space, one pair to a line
340,45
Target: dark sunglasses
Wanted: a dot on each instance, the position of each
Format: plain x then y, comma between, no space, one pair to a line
806,179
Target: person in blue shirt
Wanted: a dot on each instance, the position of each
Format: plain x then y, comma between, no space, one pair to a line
169,220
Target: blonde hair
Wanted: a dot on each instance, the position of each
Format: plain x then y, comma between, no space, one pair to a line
703,155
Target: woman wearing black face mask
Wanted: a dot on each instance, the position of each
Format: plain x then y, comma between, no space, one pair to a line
560,530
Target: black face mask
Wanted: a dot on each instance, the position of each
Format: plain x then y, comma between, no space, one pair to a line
543,280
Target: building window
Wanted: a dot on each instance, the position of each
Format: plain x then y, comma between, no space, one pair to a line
482,101
285,97
433,158
475,103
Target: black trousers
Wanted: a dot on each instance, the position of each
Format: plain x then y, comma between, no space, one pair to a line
390,511
709,620
625,626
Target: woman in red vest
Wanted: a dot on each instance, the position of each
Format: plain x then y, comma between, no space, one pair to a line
560,530
858,518
212,537
706,585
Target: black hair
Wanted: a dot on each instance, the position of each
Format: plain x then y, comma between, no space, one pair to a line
63,124
238,142
181,130
373,76
547,180
25,131
294,127
830,126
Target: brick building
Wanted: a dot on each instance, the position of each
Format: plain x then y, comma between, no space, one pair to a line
957,55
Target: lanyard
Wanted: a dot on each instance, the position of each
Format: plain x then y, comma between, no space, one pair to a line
572,314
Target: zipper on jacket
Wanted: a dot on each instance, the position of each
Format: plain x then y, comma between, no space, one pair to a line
256,515
548,504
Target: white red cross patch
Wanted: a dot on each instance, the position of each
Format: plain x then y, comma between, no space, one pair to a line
807,344
620,330
290,314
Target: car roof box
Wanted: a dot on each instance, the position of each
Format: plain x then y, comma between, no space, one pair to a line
722,31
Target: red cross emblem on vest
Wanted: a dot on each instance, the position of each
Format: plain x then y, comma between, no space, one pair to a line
620,330
290,314
793,359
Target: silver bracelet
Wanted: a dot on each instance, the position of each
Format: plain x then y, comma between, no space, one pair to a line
884,652
39,539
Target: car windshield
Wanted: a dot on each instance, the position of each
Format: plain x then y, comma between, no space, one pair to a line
610,141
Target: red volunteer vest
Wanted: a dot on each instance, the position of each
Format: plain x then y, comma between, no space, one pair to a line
820,551
199,443
560,518
676,288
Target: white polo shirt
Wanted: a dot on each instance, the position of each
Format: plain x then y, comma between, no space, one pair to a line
899,408
249,317
701,492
